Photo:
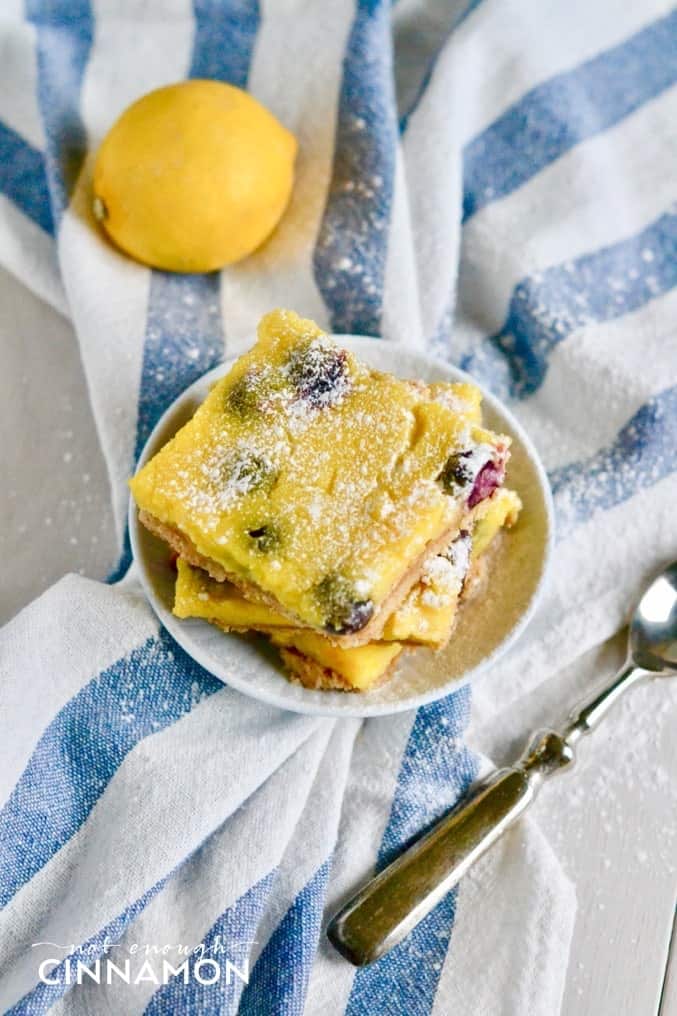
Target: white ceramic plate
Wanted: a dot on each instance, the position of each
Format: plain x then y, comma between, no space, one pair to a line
485,629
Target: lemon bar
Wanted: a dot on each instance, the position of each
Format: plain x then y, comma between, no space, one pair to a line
425,618
319,486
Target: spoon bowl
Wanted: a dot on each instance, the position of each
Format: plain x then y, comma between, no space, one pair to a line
653,628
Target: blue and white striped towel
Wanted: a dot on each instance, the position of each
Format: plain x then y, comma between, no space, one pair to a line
514,177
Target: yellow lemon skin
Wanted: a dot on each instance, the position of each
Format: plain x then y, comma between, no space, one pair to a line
193,176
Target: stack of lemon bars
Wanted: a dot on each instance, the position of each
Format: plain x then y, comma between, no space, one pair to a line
339,511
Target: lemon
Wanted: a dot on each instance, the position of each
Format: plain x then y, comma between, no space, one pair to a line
193,176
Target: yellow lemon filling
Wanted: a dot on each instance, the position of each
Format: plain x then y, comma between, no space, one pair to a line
315,480
359,666
426,617
501,510
197,595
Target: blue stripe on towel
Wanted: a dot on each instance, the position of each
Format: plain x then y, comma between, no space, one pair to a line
23,178
184,339
280,976
548,307
184,330
44,996
350,257
643,453
436,771
224,39
229,938
65,31
83,747
567,109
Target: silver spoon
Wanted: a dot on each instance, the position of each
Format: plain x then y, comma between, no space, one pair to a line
389,906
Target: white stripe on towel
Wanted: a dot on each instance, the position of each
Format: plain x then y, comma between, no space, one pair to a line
602,190
208,883
155,780
112,334
102,624
369,793
310,63
522,866
18,95
626,354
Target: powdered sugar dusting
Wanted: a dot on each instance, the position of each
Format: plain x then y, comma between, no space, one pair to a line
339,462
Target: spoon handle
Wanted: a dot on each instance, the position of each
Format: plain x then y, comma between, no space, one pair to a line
388,907
592,711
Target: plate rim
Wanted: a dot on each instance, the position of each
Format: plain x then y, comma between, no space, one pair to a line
174,625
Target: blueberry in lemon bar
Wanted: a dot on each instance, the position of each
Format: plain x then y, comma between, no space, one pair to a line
426,618
318,486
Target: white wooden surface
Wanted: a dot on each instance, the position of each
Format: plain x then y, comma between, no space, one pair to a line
54,502
613,823
613,820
